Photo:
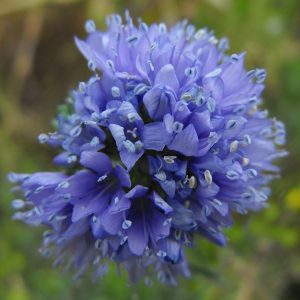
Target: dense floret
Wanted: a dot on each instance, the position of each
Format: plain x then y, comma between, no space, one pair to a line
163,142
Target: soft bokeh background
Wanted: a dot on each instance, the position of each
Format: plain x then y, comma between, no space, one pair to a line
39,64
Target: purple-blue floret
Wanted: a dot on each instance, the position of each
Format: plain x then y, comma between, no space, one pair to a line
164,142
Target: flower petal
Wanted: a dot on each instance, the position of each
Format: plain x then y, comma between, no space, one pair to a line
160,225
137,191
155,137
117,132
130,158
186,141
112,223
119,204
96,161
202,123
182,218
159,102
137,236
123,176
87,206
161,203
166,76
169,187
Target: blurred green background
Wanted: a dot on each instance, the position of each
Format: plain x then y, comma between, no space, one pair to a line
39,64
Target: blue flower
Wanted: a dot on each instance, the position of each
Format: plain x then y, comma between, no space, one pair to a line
165,145
74,136
132,136
171,175
146,221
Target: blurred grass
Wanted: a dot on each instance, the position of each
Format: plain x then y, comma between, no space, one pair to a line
39,63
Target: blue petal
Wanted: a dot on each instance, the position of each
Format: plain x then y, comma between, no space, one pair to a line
127,111
96,161
215,86
154,163
137,236
155,137
186,142
182,218
81,183
117,132
201,122
85,49
166,76
232,76
160,227
173,250
182,169
88,50
161,203
159,102
118,204
130,158
112,223
169,187
213,235
76,229
84,207
208,191
61,159
221,207
96,226
123,176
40,178
137,191
94,90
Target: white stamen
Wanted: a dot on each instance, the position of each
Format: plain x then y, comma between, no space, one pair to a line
192,182
208,177
233,146
115,91
161,253
169,159
126,224
245,161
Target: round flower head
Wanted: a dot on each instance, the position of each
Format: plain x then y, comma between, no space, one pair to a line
161,144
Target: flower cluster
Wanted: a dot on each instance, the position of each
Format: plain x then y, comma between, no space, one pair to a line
163,142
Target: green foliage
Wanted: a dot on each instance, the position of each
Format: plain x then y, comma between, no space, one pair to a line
39,63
